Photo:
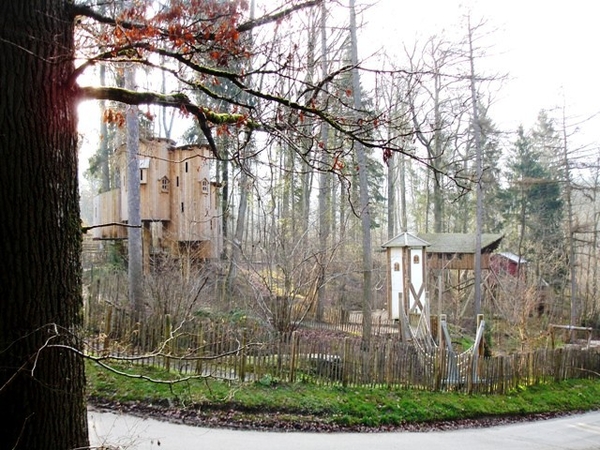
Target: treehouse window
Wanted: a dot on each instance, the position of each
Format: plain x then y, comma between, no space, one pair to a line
416,259
144,164
205,186
396,267
164,185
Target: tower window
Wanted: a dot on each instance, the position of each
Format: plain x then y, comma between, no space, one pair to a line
144,164
164,184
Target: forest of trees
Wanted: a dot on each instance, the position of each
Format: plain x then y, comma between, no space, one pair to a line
292,200
319,160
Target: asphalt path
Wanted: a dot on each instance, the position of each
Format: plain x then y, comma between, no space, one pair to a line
577,432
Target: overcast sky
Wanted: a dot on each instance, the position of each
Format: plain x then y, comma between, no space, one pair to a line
547,48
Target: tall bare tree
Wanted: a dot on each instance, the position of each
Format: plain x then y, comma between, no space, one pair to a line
134,231
324,180
364,211
437,103
478,167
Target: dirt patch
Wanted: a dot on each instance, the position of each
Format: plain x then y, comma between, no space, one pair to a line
224,417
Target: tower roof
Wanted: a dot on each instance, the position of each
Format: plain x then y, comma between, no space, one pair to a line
406,239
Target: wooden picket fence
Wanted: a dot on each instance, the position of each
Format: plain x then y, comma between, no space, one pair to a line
246,351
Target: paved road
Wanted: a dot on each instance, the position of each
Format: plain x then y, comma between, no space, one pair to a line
580,432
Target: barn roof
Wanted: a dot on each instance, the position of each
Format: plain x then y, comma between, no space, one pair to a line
514,258
406,239
460,242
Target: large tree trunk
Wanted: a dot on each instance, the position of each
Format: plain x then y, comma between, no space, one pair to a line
324,185
135,231
479,174
365,213
42,402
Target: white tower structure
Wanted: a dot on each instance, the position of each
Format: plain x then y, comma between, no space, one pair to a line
407,275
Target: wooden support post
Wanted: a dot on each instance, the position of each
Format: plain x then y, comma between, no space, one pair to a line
406,332
442,354
477,351
434,324
293,356
481,348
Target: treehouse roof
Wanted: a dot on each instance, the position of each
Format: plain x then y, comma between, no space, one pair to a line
460,242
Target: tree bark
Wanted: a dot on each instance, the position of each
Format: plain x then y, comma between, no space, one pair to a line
568,194
324,184
42,404
134,233
479,174
240,226
365,214
103,152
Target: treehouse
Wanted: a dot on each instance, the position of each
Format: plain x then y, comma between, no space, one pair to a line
421,264
514,278
456,251
178,202
506,263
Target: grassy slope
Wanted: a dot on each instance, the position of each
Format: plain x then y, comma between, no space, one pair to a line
335,406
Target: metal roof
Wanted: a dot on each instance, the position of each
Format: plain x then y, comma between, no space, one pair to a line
460,242
512,257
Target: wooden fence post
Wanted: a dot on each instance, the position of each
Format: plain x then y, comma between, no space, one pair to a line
199,350
345,362
388,362
242,374
293,350
167,337
107,329
557,359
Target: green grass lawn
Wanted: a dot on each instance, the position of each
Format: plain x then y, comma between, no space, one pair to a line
368,407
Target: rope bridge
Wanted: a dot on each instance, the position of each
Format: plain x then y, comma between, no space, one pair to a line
455,368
